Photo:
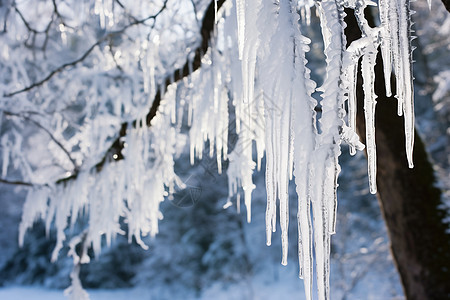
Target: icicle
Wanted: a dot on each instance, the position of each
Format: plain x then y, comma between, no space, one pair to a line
278,113
327,148
304,119
240,170
145,66
406,83
399,26
386,50
5,157
352,106
352,139
35,207
215,12
100,11
270,184
240,12
367,67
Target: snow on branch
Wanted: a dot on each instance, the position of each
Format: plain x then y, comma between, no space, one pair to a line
63,67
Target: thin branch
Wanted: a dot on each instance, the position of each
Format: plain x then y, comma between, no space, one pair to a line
25,22
18,182
52,137
85,55
56,71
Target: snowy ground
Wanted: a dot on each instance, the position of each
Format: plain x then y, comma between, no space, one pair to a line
254,290
35,293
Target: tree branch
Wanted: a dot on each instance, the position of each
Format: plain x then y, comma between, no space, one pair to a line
114,152
18,182
85,55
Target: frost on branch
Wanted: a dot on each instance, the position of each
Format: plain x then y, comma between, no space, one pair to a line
251,80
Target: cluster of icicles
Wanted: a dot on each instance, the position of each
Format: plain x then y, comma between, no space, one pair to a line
257,64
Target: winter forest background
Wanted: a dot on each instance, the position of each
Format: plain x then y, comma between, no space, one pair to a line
201,250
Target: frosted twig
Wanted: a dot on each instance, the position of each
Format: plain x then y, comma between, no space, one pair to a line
85,54
52,137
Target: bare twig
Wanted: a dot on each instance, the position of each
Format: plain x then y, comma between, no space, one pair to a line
21,183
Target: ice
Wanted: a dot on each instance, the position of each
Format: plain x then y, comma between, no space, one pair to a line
327,148
100,11
367,66
215,11
406,90
386,50
240,171
5,155
240,12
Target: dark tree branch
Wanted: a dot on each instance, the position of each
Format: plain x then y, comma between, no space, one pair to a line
15,182
21,183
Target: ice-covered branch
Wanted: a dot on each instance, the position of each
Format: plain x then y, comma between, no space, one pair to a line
63,67
18,182
146,172
114,152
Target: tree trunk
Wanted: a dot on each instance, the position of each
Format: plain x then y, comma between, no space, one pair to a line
410,203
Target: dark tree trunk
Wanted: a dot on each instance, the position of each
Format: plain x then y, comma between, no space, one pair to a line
410,202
